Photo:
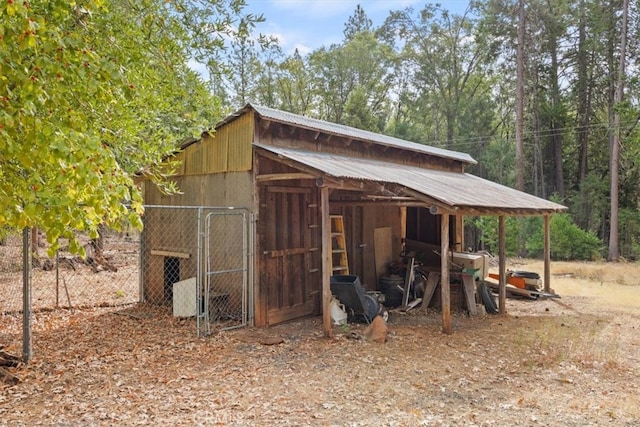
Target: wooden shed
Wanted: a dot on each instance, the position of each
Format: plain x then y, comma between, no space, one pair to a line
293,173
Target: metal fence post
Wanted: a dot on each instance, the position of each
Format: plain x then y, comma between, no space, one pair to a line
26,295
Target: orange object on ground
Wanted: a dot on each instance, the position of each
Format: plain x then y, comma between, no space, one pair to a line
518,282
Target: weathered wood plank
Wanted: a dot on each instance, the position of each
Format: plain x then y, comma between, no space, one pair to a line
172,254
469,286
382,250
430,288
283,176
286,252
285,189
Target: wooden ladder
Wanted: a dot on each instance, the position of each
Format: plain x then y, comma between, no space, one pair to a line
340,263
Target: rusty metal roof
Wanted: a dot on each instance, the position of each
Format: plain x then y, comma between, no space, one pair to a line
348,132
452,189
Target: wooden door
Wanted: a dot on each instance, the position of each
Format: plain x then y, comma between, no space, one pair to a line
289,273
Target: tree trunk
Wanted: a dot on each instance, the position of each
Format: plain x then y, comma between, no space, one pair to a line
35,244
614,250
520,99
557,117
584,102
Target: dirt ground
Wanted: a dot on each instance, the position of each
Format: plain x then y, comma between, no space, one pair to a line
573,361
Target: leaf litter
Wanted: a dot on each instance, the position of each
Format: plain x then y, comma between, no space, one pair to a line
545,363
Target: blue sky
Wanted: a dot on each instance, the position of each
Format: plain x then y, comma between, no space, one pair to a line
310,24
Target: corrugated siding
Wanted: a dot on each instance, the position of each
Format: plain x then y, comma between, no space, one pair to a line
227,150
181,163
240,139
193,154
215,155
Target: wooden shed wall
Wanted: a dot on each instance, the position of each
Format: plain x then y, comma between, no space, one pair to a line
360,225
168,231
283,136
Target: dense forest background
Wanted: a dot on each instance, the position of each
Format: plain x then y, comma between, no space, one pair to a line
543,93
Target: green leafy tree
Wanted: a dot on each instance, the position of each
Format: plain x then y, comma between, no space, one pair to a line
357,23
450,71
295,85
353,81
568,241
91,95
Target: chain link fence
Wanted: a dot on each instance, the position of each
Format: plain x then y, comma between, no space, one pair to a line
197,261
11,290
192,261
108,276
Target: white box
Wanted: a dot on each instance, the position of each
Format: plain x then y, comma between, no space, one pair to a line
184,298
473,262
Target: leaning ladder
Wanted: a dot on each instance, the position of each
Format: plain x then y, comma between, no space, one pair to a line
340,263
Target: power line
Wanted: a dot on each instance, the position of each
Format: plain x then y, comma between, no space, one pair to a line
569,130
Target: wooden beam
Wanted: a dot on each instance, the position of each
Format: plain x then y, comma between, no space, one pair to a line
392,198
283,176
326,261
502,269
443,208
547,253
323,179
445,286
380,203
287,189
497,211
172,254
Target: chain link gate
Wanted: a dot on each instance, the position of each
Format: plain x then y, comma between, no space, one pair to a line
227,269
198,261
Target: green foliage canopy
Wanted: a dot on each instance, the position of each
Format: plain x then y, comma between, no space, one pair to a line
92,94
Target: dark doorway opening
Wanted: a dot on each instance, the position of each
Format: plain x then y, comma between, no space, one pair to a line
171,276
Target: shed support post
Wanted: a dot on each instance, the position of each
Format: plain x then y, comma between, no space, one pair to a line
547,254
326,260
445,290
502,260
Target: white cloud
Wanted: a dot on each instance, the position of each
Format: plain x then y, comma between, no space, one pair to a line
303,49
311,24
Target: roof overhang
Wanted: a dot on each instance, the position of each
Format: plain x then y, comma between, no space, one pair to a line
444,191
269,115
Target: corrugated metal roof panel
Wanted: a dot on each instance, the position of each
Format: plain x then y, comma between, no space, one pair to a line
457,190
348,132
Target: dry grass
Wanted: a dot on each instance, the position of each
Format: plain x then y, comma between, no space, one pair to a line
616,285
579,340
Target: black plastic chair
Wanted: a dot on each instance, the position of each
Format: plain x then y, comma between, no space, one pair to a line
350,292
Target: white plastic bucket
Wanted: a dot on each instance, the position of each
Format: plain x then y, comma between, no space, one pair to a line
338,312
